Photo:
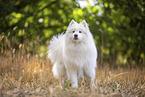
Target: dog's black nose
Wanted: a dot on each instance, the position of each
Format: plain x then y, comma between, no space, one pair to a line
75,35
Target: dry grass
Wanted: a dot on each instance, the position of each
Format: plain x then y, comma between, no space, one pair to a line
31,76
23,74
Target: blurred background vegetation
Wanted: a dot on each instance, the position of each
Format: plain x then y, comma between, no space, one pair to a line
118,27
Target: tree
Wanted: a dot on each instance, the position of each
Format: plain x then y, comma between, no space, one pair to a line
117,26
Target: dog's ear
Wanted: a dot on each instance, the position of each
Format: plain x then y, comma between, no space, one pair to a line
72,22
84,23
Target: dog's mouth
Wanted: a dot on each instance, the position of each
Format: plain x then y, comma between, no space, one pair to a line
76,38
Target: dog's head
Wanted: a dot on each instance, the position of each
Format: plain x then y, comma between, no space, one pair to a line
77,32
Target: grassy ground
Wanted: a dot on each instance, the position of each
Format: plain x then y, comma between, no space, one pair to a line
31,76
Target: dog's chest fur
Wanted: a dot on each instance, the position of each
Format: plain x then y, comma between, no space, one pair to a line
76,54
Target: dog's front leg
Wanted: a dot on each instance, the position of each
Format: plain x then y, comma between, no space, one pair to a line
73,78
61,82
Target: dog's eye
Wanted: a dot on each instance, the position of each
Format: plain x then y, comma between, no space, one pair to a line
73,31
80,31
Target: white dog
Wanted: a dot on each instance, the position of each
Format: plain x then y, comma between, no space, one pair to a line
73,54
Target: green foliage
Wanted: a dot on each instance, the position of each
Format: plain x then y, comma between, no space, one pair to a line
126,17
114,86
66,83
118,27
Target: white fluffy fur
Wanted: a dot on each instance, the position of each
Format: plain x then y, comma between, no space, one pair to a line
73,58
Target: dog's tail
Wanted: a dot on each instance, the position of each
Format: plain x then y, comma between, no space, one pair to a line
55,48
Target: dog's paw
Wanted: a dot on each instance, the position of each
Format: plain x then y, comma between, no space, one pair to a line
74,85
93,86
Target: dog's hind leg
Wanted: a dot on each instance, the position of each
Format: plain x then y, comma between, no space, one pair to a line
61,82
59,72
90,76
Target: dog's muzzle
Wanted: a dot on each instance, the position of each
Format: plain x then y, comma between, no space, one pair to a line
75,37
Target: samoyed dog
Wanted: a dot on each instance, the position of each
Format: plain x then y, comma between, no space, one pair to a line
74,54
